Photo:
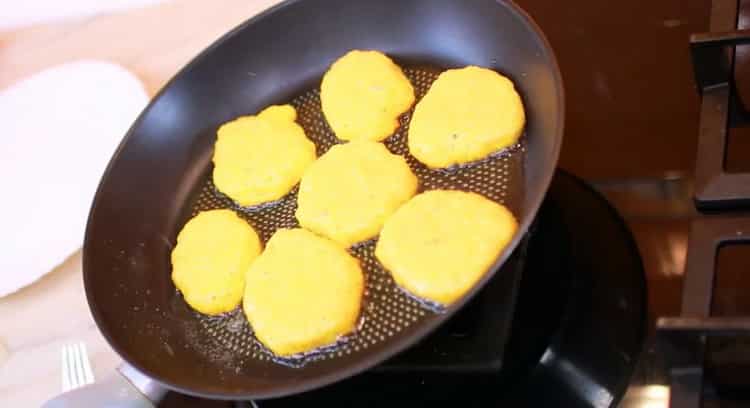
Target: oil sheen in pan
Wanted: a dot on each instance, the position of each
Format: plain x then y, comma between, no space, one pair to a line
387,309
235,322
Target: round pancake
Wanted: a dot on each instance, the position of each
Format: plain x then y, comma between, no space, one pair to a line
466,115
363,94
441,242
213,251
348,193
302,293
260,158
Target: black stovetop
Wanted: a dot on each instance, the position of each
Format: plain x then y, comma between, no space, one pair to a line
578,328
577,333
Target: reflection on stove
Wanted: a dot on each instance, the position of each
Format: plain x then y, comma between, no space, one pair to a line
647,396
579,380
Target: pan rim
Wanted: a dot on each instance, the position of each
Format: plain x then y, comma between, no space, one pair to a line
535,199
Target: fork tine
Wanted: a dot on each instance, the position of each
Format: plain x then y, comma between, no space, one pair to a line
65,369
88,373
78,365
72,367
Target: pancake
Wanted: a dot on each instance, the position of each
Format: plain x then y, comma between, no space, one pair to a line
302,293
466,115
348,193
441,242
363,94
213,251
260,158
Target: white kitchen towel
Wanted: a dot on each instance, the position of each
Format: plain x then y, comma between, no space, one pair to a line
58,130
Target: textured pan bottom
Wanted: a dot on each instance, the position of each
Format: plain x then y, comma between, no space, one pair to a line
387,310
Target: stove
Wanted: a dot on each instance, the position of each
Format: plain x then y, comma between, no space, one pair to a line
577,332
707,345
635,280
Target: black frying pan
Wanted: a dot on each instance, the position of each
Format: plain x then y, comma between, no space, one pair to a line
160,176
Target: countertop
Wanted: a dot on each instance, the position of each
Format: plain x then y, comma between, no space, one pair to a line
154,43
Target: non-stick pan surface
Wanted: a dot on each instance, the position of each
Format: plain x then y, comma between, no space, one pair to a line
160,176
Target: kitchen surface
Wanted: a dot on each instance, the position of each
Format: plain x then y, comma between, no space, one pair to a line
631,132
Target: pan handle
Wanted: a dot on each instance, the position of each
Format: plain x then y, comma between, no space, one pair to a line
126,388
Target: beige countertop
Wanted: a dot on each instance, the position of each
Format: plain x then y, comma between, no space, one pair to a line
154,43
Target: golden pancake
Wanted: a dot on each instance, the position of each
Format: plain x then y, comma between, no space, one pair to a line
348,193
363,94
302,293
260,158
213,251
466,114
441,242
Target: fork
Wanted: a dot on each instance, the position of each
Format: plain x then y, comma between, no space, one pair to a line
126,387
76,367
76,371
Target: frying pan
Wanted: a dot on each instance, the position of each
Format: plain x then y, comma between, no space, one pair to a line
160,176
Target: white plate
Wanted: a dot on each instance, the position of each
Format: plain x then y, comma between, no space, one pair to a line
58,130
